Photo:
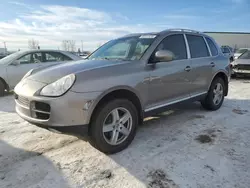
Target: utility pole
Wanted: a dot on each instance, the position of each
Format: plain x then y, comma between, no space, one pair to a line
82,45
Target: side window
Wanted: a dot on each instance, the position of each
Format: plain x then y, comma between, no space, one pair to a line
197,46
26,59
36,58
226,50
212,47
55,57
176,44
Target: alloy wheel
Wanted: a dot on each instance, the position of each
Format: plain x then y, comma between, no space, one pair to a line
117,126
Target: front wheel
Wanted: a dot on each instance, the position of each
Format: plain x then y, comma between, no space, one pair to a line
215,95
114,126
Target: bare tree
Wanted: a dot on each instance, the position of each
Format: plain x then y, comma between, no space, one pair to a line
33,44
69,45
65,45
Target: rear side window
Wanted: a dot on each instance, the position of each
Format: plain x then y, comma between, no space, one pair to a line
176,44
55,57
197,46
212,47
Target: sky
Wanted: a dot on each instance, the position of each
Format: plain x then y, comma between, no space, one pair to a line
93,22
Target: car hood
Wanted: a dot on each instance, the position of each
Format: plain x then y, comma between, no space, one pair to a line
53,73
242,62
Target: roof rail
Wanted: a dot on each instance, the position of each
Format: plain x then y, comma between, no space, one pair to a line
183,30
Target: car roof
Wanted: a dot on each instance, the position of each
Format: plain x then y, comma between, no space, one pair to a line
164,32
43,50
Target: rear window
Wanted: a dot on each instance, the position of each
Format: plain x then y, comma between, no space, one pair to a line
212,47
225,50
197,46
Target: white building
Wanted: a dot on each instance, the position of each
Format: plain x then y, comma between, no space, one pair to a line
232,39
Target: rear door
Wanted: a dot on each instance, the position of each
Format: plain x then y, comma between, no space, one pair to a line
169,80
26,63
202,64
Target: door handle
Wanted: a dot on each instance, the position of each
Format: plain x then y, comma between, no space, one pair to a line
212,64
188,68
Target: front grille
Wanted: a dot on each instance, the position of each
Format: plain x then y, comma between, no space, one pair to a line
243,67
22,100
40,110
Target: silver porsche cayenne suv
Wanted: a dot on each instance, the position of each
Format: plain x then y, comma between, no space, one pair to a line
106,96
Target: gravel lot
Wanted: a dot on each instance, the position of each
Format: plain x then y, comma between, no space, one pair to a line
182,148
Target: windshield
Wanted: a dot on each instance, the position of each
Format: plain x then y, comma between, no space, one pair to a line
240,51
129,48
10,57
246,55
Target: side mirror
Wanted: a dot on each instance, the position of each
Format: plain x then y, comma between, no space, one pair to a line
15,63
163,56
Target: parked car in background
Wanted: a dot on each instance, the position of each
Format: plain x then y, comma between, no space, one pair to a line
228,52
239,52
122,82
241,66
16,65
84,54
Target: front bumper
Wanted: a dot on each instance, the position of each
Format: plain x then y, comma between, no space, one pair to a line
236,71
240,69
65,113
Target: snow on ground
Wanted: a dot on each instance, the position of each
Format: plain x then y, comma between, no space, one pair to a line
189,148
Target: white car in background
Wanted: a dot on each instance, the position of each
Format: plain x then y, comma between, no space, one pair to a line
16,65
239,52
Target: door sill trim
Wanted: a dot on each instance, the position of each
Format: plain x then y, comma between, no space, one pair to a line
173,102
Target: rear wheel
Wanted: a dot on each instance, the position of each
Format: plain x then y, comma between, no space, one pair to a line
114,126
2,88
215,95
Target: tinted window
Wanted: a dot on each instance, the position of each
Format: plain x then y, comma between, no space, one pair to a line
55,57
197,46
212,47
176,44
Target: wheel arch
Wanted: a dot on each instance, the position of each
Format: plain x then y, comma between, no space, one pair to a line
224,76
5,83
120,92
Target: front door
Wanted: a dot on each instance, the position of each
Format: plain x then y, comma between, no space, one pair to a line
169,81
25,63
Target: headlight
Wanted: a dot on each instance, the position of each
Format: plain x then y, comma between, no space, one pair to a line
27,74
58,87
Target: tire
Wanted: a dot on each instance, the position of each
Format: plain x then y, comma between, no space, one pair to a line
2,88
208,103
103,140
